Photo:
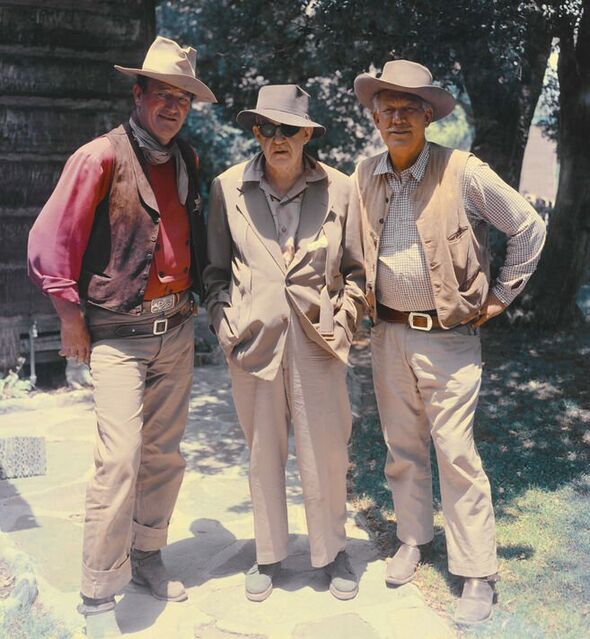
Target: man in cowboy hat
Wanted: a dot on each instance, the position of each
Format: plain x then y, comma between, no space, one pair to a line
425,211
284,294
119,247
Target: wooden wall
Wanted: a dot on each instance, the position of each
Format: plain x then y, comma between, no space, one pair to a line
58,89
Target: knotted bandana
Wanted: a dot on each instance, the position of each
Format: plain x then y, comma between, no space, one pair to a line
157,153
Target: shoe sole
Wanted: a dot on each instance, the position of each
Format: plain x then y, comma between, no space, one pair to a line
473,623
343,595
390,581
259,596
178,598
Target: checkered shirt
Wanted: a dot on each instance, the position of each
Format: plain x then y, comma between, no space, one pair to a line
403,279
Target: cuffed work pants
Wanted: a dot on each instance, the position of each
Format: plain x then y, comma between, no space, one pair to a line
310,392
142,390
427,386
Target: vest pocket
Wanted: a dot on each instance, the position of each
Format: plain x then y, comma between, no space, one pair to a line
464,258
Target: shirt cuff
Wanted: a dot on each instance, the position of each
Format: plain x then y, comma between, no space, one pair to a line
67,292
504,294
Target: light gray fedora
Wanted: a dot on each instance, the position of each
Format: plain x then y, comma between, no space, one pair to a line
166,61
406,77
283,103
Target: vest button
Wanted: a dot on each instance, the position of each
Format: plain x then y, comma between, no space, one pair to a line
148,255
380,220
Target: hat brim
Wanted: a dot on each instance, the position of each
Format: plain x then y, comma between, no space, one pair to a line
247,119
199,89
442,102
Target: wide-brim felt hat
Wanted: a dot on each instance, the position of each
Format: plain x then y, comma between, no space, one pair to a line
168,62
282,103
406,77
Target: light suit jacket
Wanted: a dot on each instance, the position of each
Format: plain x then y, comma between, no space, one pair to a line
251,294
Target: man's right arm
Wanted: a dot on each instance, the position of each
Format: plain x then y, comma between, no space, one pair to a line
59,237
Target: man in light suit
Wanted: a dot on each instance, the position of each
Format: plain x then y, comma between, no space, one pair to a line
284,294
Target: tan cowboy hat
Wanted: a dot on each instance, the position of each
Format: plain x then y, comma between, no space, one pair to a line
283,103
406,77
170,63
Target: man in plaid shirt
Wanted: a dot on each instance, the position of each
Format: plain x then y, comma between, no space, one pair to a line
426,211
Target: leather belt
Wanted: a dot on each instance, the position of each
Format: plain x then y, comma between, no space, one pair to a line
156,327
165,303
419,320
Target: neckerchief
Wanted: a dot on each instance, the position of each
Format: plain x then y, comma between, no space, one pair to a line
157,153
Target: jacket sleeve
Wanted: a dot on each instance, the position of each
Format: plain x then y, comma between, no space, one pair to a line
217,274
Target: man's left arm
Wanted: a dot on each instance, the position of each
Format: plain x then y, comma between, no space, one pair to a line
488,197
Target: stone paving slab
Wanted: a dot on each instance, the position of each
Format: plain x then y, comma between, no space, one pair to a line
210,538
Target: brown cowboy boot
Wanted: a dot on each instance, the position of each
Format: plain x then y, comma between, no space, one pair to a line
148,570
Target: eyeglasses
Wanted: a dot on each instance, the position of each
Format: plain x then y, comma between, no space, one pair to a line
268,129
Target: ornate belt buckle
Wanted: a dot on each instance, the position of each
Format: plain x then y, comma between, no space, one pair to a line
412,316
160,326
162,304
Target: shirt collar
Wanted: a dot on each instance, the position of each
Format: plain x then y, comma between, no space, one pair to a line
312,172
417,169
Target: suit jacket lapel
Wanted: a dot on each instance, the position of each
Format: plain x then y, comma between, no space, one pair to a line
253,206
314,210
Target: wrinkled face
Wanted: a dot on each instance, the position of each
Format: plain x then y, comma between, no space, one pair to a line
402,120
283,153
161,109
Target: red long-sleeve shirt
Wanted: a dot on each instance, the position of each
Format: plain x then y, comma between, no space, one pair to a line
59,236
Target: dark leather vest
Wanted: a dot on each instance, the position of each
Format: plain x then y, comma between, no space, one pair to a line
117,261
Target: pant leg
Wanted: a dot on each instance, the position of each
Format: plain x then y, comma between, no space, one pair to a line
264,416
322,423
119,370
165,410
406,431
448,368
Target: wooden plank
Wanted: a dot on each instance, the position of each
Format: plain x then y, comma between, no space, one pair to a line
34,129
32,75
47,25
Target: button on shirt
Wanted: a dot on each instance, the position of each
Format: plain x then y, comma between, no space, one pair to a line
403,279
286,209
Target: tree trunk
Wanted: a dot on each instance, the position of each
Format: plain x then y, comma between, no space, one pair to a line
503,110
556,283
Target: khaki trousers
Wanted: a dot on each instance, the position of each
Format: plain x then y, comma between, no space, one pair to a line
142,390
427,386
309,391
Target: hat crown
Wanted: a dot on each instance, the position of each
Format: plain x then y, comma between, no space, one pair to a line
166,56
406,74
290,98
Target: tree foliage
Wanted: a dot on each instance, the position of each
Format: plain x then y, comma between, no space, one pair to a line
492,55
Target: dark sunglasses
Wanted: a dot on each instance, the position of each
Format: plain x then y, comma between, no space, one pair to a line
268,129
